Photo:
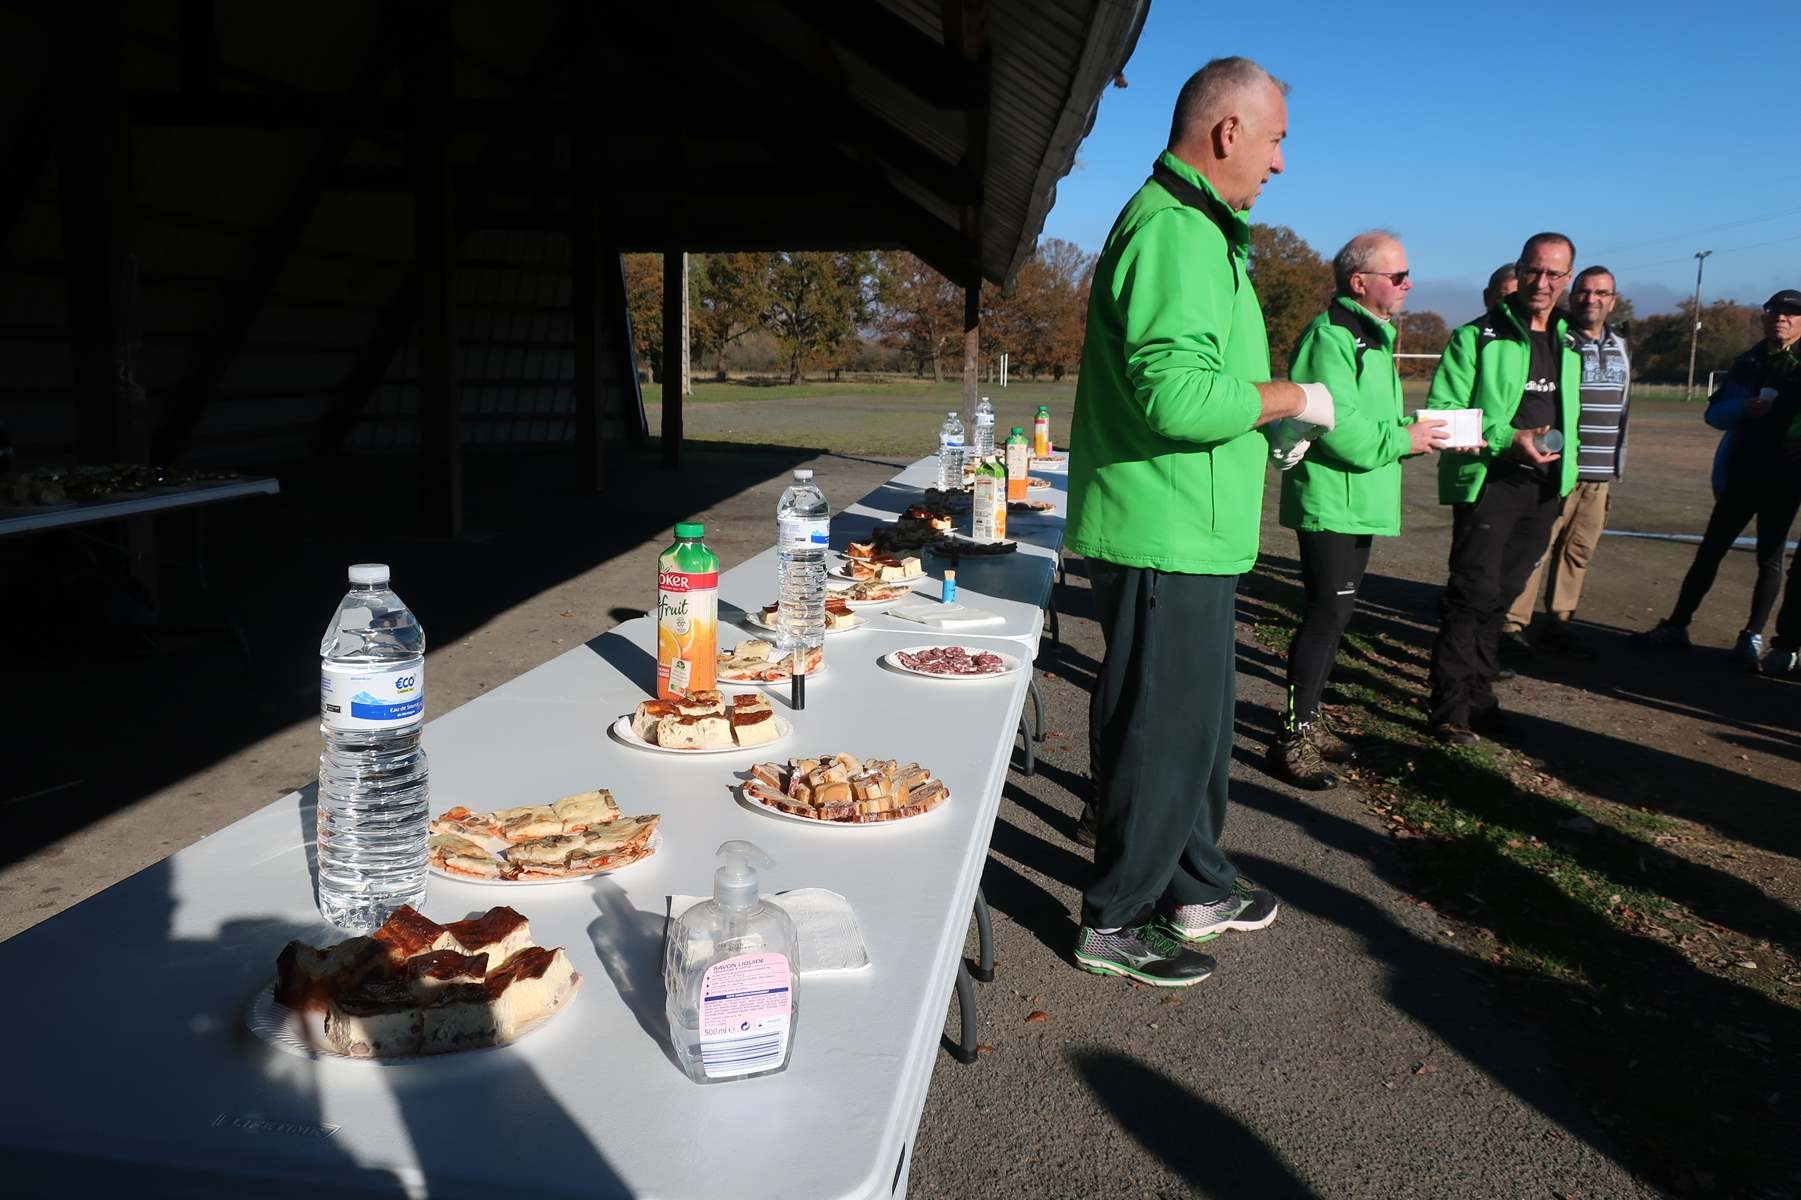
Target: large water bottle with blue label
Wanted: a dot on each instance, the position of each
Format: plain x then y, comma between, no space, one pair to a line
374,808
803,523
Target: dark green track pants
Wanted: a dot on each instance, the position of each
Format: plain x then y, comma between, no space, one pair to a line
1160,741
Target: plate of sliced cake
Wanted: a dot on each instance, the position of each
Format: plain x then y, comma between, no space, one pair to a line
414,988
842,790
702,723
577,837
880,568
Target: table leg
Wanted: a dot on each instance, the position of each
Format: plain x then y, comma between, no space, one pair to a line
1025,740
1037,710
965,1050
984,969
1050,613
230,615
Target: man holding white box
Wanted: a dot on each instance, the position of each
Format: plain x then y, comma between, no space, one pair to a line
1517,364
1347,490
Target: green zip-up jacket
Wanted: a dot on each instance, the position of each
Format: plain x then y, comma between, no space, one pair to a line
1350,481
1166,468
1484,366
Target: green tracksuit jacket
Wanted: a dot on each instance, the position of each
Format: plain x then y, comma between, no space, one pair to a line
1350,481
1484,366
1166,468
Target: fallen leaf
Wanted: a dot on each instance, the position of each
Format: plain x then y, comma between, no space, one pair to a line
1425,1068
1037,1015
984,1048
568,612
1747,964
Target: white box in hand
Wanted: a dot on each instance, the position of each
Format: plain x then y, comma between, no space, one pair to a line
1463,425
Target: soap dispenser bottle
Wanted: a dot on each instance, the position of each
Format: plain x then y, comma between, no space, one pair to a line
730,968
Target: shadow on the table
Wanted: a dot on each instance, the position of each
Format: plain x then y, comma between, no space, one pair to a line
189,1087
1209,1148
629,943
633,662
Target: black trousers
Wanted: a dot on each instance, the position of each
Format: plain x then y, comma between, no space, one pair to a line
1332,567
1773,502
1160,733
1496,540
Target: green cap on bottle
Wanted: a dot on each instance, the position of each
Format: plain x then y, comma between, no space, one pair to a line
690,529
1019,431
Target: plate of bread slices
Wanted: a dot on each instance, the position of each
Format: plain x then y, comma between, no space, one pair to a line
577,837
879,568
842,789
872,593
414,987
702,722
752,662
839,618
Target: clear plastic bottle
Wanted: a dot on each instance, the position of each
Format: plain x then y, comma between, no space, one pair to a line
950,453
730,969
982,441
373,804
802,536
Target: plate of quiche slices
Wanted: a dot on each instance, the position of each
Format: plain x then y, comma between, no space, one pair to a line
842,789
577,837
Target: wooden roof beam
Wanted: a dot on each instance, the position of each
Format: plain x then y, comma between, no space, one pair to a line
930,69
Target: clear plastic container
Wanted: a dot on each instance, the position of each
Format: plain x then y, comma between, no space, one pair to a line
374,803
982,443
731,966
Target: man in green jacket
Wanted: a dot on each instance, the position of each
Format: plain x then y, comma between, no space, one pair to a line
1348,490
1165,497
1518,365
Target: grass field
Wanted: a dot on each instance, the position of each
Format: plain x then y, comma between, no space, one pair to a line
899,416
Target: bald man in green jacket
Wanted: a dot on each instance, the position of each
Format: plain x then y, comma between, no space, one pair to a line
1166,488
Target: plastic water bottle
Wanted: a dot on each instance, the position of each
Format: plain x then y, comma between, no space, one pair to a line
802,536
983,439
373,802
950,453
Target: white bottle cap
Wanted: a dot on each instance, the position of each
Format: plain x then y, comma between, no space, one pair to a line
369,573
802,474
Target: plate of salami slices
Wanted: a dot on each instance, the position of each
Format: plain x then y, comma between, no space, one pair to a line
953,662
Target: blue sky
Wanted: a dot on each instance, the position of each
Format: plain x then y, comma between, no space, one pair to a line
1643,131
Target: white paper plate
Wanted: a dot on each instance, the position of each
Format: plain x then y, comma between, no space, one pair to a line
757,806
1010,662
843,572
302,1034
656,842
904,596
622,729
754,620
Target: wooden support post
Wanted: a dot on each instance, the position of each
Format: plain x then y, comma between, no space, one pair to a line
972,351
94,184
588,295
674,351
429,86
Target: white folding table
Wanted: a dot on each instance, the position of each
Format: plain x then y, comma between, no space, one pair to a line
131,1066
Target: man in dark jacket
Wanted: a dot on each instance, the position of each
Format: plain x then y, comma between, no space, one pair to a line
1759,479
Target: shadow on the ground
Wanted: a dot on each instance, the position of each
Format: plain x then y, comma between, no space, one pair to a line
105,730
1214,1153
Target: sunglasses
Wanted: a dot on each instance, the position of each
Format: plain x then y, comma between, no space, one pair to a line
1395,277
1528,273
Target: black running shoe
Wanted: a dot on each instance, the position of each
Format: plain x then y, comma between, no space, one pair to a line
1246,907
1145,953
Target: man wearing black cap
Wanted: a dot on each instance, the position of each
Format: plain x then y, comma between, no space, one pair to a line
1759,476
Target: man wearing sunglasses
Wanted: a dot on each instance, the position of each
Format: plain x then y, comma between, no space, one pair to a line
1347,491
1606,382
1517,364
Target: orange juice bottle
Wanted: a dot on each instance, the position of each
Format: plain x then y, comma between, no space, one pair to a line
1019,461
687,614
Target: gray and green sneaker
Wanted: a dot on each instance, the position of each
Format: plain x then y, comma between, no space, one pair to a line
1144,953
1246,907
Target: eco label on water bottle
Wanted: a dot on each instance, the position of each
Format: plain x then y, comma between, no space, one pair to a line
352,696
746,1004
803,533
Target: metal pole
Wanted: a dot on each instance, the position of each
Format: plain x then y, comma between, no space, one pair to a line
1694,335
